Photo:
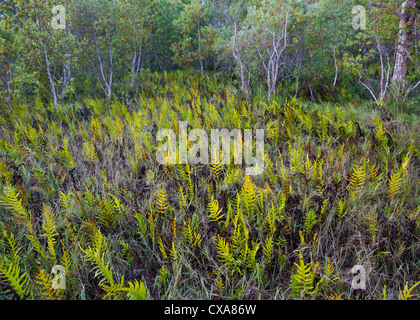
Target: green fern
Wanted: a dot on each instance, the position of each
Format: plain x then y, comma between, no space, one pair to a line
395,183
33,239
50,230
45,286
162,204
249,195
11,273
302,281
12,202
225,255
310,220
215,214
135,291
268,250
95,255
357,179
405,294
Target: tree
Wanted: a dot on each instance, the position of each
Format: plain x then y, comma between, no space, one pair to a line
56,47
268,32
407,22
197,40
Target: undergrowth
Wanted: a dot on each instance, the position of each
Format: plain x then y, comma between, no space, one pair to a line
82,188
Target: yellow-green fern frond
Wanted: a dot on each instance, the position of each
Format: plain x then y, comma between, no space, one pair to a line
357,179
341,211
162,204
45,286
11,274
268,250
302,281
102,268
50,230
135,291
32,237
11,201
405,294
395,183
182,197
249,194
215,214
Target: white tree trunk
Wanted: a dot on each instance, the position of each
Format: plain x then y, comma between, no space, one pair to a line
50,77
407,17
107,82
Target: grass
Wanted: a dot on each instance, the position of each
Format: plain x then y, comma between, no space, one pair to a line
82,189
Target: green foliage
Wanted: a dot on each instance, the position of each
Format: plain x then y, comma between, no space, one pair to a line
86,192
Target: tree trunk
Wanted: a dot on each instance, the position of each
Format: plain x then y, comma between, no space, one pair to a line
408,15
47,61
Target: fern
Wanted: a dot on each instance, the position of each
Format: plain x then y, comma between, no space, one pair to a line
90,151
302,281
374,172
50,230
182,197
142,224
215,214
357,179
107,213
12,275
65,155
135,291
268,250
225,256
405,294
32,237
12,202
249,194
95,256
310,220
162,204
341,209
329,271
45,286
395,183
12,244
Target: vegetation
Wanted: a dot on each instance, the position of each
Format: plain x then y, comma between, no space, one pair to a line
80,185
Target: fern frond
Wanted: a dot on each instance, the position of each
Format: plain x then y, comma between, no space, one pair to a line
32,237
102,268
107,213
11,201
162,202
182,197
45,286
15,278
357,179
405,294
340,209
249,194
268,250
135,291
303,280
395,183
12,244
215,214
50,230
310,220
224,254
